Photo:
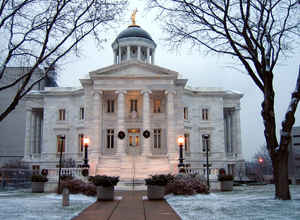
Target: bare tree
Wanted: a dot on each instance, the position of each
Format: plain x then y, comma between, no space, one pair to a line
40,33
256,33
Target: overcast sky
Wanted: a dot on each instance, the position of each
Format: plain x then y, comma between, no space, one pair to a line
201,70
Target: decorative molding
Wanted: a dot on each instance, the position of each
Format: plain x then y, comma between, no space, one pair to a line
170,91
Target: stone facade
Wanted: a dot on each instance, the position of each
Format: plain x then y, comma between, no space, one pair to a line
294,156
13,126
135,97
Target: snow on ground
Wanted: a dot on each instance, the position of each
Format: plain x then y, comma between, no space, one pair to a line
244,203
24,205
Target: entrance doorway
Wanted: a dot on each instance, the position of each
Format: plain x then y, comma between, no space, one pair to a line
134,140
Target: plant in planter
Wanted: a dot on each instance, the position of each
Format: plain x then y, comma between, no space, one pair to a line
226,181
38,182
105,186
156,186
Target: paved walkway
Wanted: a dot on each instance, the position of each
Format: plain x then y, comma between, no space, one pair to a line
132,206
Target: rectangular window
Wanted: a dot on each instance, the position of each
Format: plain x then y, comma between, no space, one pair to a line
157,107
80,142
110,138
186,113
187,142
204,114
61,142
157,138
231,169
133,105
61,114
205,142
110,106
81,113
209,169
36,169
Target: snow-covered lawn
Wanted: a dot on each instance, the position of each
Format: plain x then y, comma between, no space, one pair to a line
20,205
244,203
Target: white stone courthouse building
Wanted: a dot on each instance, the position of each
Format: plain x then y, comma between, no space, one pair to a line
150,104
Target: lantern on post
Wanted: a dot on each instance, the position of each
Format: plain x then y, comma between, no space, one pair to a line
86,142
180,141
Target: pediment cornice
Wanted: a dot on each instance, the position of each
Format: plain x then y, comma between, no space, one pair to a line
123,71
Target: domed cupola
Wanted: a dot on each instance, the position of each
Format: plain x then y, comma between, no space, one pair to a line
134,43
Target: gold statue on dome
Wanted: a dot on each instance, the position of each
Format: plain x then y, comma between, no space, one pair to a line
133,17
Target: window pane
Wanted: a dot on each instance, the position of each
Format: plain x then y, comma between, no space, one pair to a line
136,140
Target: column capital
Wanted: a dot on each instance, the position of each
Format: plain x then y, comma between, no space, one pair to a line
170,91
144,91
121,91
97,94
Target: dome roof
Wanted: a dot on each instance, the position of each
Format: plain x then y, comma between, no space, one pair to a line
134,31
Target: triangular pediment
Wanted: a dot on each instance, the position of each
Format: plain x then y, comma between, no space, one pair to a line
133,69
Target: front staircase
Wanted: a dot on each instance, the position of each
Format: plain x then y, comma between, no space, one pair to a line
132,167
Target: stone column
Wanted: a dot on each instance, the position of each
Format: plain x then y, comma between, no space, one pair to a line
97,119
28,134
229,121
148,55
152,57
139,53
94,151
128,52
115,57
33,133
121,122
120,56
38,134
237,134
171,130
146,122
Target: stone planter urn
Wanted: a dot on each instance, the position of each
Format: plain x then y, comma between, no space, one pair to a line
37,187
227,185
155,192
105,193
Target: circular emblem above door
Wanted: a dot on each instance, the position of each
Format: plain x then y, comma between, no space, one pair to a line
146,134
121,135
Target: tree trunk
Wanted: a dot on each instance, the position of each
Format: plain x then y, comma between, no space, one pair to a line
283,191
279,157
280,173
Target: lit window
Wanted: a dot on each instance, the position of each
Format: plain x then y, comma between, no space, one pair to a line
81,116
80,142
61,114
60,140
110,138
204,114
133,105
157,138
157,107
186,113
187,142
110,106
205,142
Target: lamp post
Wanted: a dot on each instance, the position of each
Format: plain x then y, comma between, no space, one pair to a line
62,138
180,141
260,162
206,136
86,142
